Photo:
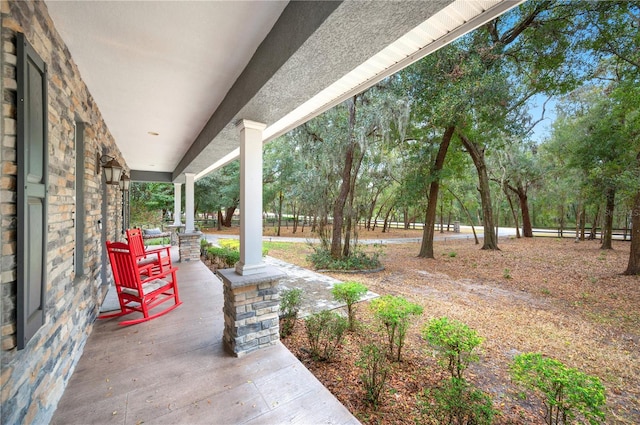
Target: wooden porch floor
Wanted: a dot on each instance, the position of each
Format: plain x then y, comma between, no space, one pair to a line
173,370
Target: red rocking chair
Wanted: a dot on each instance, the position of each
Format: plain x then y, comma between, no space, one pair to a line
138,289
154,259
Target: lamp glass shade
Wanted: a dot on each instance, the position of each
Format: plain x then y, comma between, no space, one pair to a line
125,182
112,172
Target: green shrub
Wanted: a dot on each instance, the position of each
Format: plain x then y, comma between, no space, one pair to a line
324,332
223,257
375,368
457,403
455,342
349,292
358,260
290,300
394,313
567,393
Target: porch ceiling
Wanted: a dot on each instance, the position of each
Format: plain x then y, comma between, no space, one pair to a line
189,70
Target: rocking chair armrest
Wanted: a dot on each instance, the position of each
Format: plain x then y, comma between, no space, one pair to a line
157,250
162,274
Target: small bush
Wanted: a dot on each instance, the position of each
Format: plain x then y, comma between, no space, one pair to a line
394,313
567,393
375,368
349,292
457,403
506,273
324,332
322,260
223,257
455,342
290,300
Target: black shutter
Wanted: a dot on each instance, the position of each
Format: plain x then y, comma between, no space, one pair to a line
32,190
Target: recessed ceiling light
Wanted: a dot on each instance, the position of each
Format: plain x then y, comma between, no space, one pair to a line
152,133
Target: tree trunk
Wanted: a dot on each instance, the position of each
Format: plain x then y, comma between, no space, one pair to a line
346,251
426,248
228,215
341,200
280,199
372,207
607,230
473,228
385,226
578,219
220,219
441,216
477,155
513,213
633,268
594,225
296,218
375,220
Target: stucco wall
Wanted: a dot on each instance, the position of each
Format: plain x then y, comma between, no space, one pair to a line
33,379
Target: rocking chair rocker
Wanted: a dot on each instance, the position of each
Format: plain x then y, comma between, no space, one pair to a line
140,289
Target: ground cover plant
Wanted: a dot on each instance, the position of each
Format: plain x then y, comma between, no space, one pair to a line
564,299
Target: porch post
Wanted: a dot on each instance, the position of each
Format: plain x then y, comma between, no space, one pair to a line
250,198
177,204
189,203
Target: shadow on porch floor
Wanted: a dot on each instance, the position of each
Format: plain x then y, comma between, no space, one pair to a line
173,370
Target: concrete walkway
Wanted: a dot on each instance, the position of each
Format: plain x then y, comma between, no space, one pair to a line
173,370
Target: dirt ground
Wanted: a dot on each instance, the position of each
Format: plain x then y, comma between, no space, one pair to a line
564,299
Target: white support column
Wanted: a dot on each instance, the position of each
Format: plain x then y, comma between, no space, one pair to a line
250,198
189,203
177,204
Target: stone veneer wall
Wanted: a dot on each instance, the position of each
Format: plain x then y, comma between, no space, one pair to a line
33,379
189,246
251,305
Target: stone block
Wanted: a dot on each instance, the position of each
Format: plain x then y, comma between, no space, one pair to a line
264,304
269,323
247,329
245,315
267,285
264,340
268,291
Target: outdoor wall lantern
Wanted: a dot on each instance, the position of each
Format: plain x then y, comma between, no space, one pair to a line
111,168
125,182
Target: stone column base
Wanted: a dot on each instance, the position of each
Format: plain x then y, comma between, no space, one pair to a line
189,246
251,306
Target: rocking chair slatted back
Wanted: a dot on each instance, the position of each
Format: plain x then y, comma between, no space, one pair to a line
134,237
154,259
122,261
139,290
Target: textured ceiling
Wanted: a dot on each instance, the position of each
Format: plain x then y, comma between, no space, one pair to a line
188,70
